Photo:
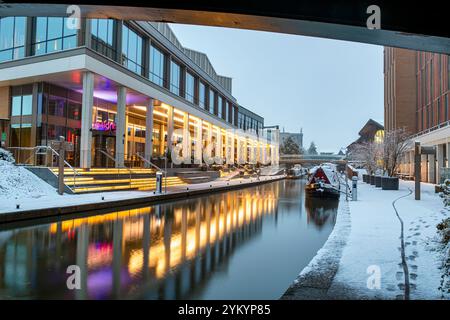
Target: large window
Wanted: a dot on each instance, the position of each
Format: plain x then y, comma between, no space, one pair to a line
211,100
201,95
12,38
227,111
132,50
156,66
190,85
102,31
21,111
175,73
219,106
53,34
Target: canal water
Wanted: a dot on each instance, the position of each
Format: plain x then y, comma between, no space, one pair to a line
244,244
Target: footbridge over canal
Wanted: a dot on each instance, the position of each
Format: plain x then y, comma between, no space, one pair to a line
313,160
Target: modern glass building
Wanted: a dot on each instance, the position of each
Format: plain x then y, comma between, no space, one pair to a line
106,84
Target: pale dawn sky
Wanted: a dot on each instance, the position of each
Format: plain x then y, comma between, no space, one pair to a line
329,88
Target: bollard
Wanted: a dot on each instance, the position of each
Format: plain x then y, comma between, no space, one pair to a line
159,176
354,188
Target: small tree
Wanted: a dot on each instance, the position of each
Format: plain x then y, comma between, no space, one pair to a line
290,147
369,154
312,148
396,143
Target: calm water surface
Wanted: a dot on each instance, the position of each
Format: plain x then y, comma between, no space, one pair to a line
245,244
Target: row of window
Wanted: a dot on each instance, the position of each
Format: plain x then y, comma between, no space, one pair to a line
52,34
434,114
246,123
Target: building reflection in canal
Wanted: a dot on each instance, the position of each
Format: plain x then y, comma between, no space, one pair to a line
166,251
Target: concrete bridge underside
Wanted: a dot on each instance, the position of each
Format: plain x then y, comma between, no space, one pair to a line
402,24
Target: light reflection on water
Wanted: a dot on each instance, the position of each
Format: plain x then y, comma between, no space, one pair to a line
244,244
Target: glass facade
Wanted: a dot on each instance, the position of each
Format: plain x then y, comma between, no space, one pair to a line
12,38
102,31
175,73
211,101
157,61
58,110
21,116
190,87
132,50
227,111
201,95
52,34
219,106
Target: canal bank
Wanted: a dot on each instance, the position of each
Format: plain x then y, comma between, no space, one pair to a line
69,204
362,259
202,247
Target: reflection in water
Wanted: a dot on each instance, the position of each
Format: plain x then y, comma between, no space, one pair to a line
196,248
320,211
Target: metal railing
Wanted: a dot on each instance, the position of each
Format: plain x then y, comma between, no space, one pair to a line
156,167
113,159
32,159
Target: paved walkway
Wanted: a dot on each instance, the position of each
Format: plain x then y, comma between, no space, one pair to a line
367,244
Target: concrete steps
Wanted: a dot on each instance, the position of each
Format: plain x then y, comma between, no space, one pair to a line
197,176
112,179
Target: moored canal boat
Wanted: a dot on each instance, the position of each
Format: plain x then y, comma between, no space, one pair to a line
296,172
323,182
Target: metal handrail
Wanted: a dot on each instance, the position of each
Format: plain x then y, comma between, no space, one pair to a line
114,160
149,162
157,168
53,151
75,172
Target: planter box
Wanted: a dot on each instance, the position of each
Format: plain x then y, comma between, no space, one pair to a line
378,181
372,180
389,183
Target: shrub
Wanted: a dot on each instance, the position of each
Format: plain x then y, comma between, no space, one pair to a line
444,230
445,192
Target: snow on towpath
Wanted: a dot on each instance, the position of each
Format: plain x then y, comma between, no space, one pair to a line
374,245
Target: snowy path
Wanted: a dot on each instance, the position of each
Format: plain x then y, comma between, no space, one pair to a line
368,243
374,242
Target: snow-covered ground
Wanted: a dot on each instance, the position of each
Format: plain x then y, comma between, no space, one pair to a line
371,250
374,245
17,183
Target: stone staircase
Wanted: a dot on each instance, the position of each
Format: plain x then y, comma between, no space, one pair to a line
112,179
197,176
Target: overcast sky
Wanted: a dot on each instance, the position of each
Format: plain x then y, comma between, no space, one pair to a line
329,88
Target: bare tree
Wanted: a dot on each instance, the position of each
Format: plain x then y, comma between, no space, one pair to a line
396,143
369,154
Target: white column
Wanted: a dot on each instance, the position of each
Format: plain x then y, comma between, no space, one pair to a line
198,142
86,120
127,151
440,161
148,151
207,153
219,156
169,128
121,122
238,149
186,142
